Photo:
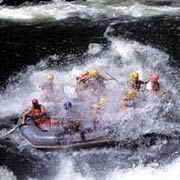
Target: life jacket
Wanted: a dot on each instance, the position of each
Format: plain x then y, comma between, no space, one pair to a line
48,86
83,79
68,116
130,103
35,111
82,83
152,86
135,85
42,122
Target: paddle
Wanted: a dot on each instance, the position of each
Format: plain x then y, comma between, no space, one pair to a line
62,88
13,129
10,131
113,78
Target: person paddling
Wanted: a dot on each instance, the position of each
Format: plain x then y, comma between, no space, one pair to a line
152,85
97,107
38,114
134,83
48,87
71,120
129,101
96,82
82,80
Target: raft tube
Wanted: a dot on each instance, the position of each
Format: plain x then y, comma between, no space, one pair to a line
48,139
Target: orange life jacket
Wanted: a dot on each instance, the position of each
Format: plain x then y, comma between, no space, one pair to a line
35,111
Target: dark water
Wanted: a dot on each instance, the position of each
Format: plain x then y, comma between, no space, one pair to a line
161,32
24,44
27,44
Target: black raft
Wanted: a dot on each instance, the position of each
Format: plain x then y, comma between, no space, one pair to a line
88,138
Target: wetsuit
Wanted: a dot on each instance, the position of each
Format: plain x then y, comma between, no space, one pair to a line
135,84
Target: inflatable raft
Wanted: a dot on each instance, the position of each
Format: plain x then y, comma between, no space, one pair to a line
88,138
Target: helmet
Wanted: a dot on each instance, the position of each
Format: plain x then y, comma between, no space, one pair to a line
94,72
134,75
131,94
101,101
84,72
50,76
35,101
154,77
67,105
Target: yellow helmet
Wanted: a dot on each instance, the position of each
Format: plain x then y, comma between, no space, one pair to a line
134,75
131,94
84,72
94,72
101,101
50,76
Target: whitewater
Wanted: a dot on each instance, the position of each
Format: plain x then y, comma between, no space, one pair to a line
120,56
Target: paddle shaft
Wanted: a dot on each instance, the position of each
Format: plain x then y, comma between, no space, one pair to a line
12,130
113,78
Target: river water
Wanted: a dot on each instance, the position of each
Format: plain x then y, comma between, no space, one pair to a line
114,36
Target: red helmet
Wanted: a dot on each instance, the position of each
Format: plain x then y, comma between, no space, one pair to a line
34,101
154,77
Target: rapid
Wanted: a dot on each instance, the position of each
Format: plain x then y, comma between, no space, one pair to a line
118,37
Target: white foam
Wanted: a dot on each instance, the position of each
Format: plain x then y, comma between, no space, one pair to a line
59,10
68,170
94,48
168,172
6,174
121,58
